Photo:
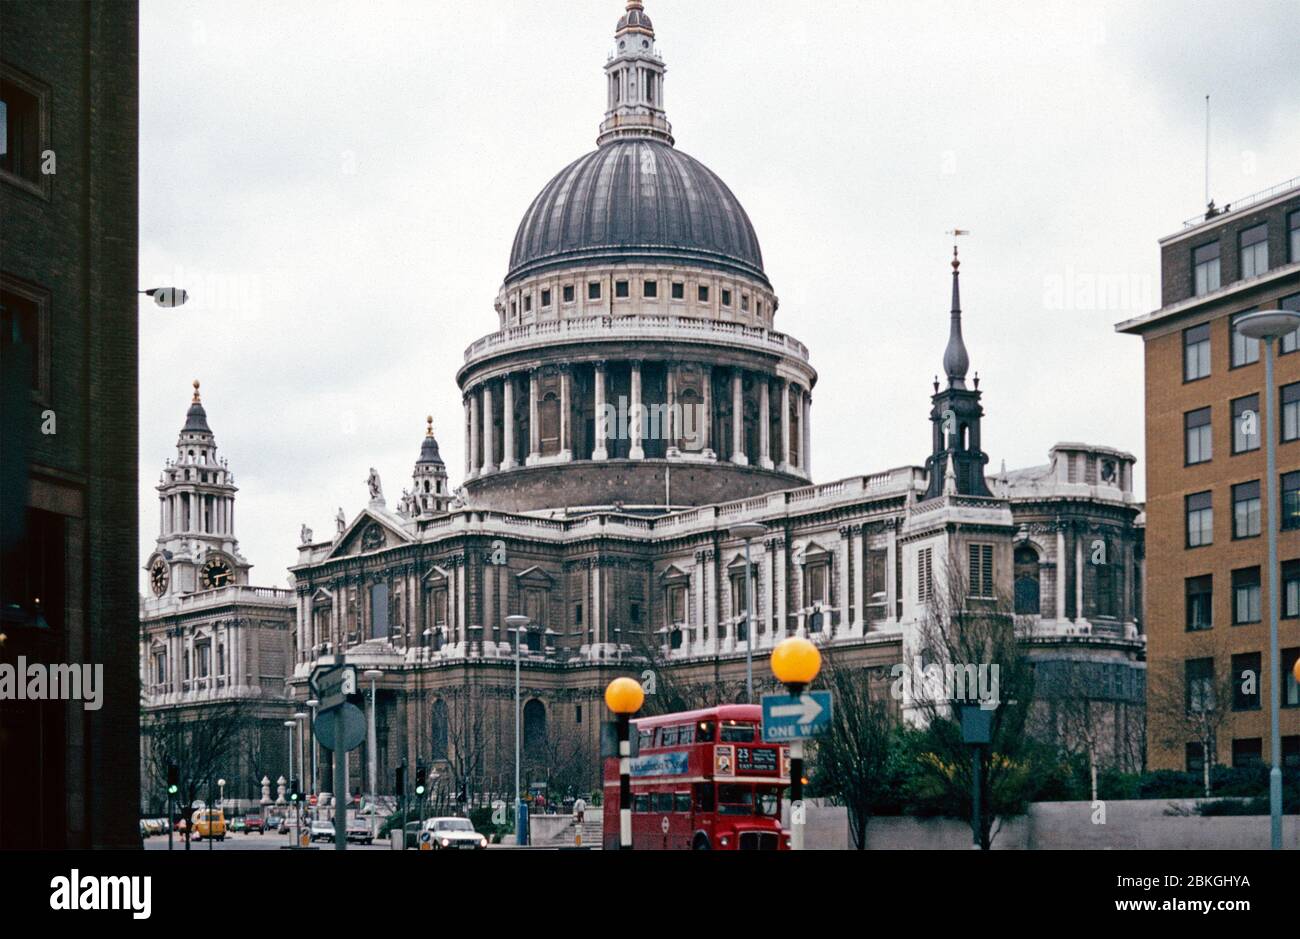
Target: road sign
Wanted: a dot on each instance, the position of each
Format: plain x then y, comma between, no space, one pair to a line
354,727
795,717
426,840
332,684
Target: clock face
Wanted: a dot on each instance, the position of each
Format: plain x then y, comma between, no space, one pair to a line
216,573
158,577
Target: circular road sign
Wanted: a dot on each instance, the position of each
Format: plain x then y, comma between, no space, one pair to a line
354,727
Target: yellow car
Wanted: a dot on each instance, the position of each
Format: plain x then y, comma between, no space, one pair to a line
209,823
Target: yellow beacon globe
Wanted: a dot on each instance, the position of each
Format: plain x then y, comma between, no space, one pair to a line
624,696
796,661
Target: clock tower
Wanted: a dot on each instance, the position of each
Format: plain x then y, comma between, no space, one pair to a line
197,549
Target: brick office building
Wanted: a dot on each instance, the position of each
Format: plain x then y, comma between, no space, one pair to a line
68,318
1207,602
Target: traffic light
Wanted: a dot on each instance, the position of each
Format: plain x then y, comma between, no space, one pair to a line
400,788
173,779
294,794
421,776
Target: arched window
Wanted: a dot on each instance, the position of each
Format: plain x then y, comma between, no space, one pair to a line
534,728
549,419
1026,581
439,729
688,428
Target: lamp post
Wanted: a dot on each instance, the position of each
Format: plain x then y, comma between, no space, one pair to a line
373,674
302,762
624,697
290,726
749,531
795,663
166,296
517,624
313,704
1268,326
221,795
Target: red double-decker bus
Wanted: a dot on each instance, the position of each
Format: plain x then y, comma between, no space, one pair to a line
702,780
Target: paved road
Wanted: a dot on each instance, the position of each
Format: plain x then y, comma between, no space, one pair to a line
242,842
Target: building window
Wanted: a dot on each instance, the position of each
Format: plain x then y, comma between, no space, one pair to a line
204,652
577,713
1245,596
925,575
650,289
877,586
528,303
703,294
1290,687
1245,351
726,297
1254,251
1290,598
1246,682
1294,239
1196,352
1245,424
1290,395
160,667
817,584
546,299
1200,603
1195,758
25,333
1205,261
1247,753
1200,520
568,293
1199,685
980,570
621,289
577,613
744,302
1027,581
514,310
1291,341
676,605
593,290
26,132
1245,510
679,290
1198,437
1291,752
1290,501
634,613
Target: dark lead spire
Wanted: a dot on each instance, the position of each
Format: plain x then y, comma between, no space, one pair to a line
196,419
956,361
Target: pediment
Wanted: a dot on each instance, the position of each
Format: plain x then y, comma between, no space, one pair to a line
673,573
369,532
536,576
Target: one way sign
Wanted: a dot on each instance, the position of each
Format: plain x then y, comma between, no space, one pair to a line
795,717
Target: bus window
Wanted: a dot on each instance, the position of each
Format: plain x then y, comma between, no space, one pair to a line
686,734
735,800
667,736
768,803
645,739
704,797
641,802
681,802
704,732
737,732
663,802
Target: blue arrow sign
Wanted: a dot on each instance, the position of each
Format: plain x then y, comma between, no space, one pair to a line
795,717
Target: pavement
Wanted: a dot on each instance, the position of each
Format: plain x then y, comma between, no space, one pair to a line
253,842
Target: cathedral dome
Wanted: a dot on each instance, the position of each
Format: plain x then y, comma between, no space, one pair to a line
636,200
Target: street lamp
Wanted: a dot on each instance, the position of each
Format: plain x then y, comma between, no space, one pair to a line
166,296
373,674
749,531
795,663
517,624
290,726
313,704
221,797
1268,326
624,697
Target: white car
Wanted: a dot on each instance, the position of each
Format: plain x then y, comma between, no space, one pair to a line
322,830
453,833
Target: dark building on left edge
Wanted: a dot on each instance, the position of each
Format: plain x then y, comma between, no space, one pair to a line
68,480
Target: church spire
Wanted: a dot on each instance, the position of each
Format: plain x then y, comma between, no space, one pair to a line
634,77
956,361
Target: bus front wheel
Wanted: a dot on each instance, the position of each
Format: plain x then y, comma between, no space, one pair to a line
701,843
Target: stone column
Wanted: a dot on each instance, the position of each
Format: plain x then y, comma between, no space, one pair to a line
534,428
738,418
769,580
489,432
1060,574
782,581
805,425
891,576
634,423
566,413
708,407
472,453
700,601
602,426
1078,576
508,422
764,424
785,426
673,418
841,590
860,579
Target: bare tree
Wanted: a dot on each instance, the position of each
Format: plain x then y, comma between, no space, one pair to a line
200,745
970,641
1192,701
853,756
466,738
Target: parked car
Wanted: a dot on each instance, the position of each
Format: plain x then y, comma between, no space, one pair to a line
321,830
454,833
359,830
237,823
255,823
209,823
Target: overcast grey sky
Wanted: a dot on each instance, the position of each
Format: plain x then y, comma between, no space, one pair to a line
338,185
